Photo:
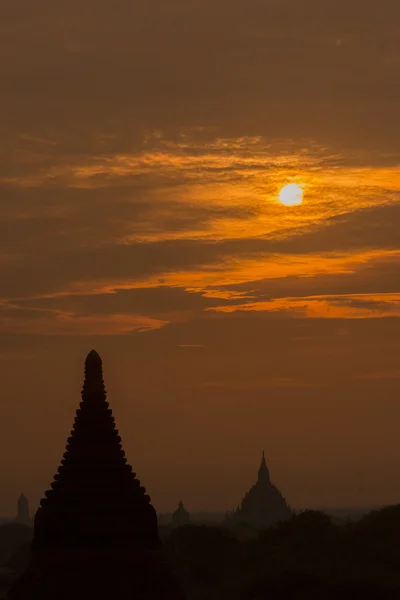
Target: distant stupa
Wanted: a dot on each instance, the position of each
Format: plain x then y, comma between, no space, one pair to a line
95,533
23,511
263,505
180,516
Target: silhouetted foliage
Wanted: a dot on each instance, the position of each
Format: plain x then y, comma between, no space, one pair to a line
203,554
19,560
15,533
374,540
12,537
307,557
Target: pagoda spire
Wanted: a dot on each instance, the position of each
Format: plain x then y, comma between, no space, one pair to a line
23,510
93,382
263,471
94,483
96,533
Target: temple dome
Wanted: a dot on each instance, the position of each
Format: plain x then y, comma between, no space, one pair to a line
180,516
263,505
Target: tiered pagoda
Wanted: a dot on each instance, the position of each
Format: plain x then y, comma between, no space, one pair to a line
263,505
95,533
180,516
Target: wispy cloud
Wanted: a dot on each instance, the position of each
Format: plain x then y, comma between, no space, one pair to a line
379,375
328,307
263,384
67,323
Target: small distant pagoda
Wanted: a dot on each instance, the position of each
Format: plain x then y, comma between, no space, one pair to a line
96,533
263,505
23,511
180,516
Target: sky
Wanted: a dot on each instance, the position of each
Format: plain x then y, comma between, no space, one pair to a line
143,148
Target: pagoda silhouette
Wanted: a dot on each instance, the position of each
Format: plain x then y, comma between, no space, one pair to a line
263,505
96,532
180,516
23,511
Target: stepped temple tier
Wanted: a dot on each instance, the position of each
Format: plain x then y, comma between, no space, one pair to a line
96,533
263,505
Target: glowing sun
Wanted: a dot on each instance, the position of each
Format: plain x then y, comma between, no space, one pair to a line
291,195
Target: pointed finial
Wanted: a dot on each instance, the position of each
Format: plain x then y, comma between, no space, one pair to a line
93,357
93,374
263,461
263,472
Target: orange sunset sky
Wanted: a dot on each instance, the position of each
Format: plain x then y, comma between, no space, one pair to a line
143,148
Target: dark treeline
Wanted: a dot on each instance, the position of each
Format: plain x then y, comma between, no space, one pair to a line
307,557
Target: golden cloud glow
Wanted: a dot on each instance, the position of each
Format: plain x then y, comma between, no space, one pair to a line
326,307
235,180
236,270
216,191
232,271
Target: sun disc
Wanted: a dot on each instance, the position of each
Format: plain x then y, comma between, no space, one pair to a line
291,195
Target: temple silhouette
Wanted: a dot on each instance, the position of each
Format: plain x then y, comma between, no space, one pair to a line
180,516
96,532
263,505
23,511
